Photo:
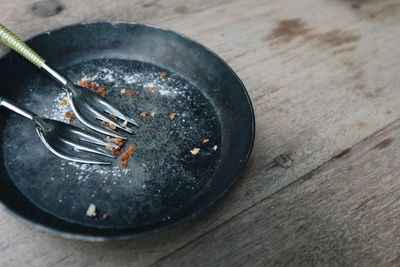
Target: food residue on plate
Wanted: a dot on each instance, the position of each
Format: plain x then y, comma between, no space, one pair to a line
69,115
195,151
206,140
147,115
105,216
64,101
119,142
91,211
172,116
101,91
129,92
109,125
152,89
127,155
111,116
88,84
144,116
164,74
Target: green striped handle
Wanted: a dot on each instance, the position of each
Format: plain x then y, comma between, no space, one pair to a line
12,41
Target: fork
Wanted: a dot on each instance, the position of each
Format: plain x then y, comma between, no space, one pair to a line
65,140
88,106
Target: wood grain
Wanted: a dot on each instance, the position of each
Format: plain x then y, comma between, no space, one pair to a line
345,213
322,75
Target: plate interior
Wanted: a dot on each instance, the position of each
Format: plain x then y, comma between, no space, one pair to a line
162,178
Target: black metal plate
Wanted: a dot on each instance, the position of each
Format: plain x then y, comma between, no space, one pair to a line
164,184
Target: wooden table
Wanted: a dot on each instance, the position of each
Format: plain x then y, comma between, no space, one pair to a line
323,184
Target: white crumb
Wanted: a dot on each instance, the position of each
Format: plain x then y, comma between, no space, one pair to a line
91,211
195,151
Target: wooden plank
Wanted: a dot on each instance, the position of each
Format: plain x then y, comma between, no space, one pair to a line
322,76
345,213
314,96
19,17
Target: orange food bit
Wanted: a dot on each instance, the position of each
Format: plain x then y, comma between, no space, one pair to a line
164,74
69,115
127,155
172,116
109,125
64,102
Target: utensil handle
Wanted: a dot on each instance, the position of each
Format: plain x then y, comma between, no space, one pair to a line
12,106
23,112
12,41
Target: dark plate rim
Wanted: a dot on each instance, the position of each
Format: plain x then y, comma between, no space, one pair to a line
190,217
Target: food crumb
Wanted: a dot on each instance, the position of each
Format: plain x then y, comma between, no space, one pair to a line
172,116
152,89
91,211
64,101
69,115
88,84
215,147
101,91
129,92
111,116
152,113
147,115
195,151
144,116
105,216
164,74
127,155
109,125
119,142
205,141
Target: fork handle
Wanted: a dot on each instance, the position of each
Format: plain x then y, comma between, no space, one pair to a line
14,107
12,41
15,43
23,112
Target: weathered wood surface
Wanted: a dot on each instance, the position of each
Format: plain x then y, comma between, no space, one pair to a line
345,213
323,76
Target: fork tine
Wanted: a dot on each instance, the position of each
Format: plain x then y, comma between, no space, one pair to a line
113,111
95,151
116,123
86,136
68,157
78,146
122,117
101,116
92,125
91,138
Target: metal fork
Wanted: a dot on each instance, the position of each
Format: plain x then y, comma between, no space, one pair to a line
65,140
88,106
